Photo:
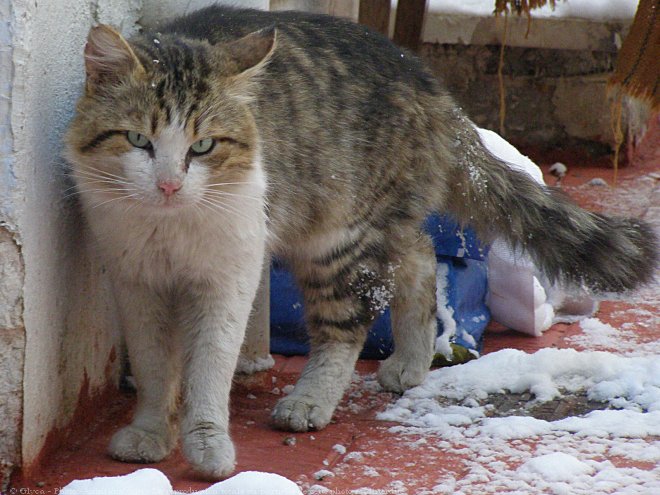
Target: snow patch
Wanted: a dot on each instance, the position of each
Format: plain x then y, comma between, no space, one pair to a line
581,9
597,335
252,483
142,481
322,474
339,448
556,467
445,312
521,454
602,376
154,482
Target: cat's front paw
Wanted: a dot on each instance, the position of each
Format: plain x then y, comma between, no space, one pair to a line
301,413
398,375
134,444
210,452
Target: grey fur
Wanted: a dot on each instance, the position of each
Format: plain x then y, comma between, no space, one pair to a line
358,143
349,118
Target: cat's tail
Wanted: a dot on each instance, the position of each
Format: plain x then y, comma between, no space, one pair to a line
569,244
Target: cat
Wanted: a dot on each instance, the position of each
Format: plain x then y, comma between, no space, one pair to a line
231,135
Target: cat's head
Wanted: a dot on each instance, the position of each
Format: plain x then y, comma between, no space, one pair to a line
164,121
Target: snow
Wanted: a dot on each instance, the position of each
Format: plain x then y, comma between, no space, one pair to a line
142,481
556,467
253,483
339,448
597,181
506,152
597,335
601,375
582,9
154,482
558,169
516,297
322,474
444,312
594,453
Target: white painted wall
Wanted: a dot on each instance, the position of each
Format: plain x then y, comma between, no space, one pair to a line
59,336
51,284
68,314
12,333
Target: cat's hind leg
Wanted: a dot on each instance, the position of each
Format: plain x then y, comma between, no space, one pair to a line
413,316
339,310
319,389
154,364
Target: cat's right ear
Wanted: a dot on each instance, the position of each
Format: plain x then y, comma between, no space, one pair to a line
108,58
245,58
253,51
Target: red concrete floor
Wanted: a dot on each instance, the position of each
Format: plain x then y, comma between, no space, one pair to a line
409,466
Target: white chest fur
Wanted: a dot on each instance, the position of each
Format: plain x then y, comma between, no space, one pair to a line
160,248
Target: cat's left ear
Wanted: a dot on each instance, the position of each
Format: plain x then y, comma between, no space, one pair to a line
108,58
251,53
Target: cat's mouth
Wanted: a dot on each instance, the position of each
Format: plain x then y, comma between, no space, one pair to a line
164,204
172,204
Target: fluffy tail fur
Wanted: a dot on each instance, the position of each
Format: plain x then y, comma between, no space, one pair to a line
571,245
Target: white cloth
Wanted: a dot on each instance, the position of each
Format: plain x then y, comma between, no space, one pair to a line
519,296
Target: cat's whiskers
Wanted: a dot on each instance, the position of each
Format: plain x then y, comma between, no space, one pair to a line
215,205
223,194
76,186
128,207
101,173
220,184
94,180
90,176
206,205
223,206
128,196
95,189
102,185
198,210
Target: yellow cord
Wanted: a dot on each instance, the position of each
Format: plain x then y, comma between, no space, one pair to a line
500,75
616,115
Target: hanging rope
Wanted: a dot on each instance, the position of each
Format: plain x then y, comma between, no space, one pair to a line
500,75
616,112
520,6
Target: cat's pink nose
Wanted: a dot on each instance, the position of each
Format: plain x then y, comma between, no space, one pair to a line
169,187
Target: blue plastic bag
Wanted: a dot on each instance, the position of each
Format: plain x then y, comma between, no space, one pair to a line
464,268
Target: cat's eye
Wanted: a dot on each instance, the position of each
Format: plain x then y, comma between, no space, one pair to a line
138,140
202,146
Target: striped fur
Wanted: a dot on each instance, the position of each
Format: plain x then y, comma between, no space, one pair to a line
331,147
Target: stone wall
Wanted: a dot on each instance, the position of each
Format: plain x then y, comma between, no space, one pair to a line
555,74
554,97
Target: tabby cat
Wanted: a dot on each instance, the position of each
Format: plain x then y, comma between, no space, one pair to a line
233,133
